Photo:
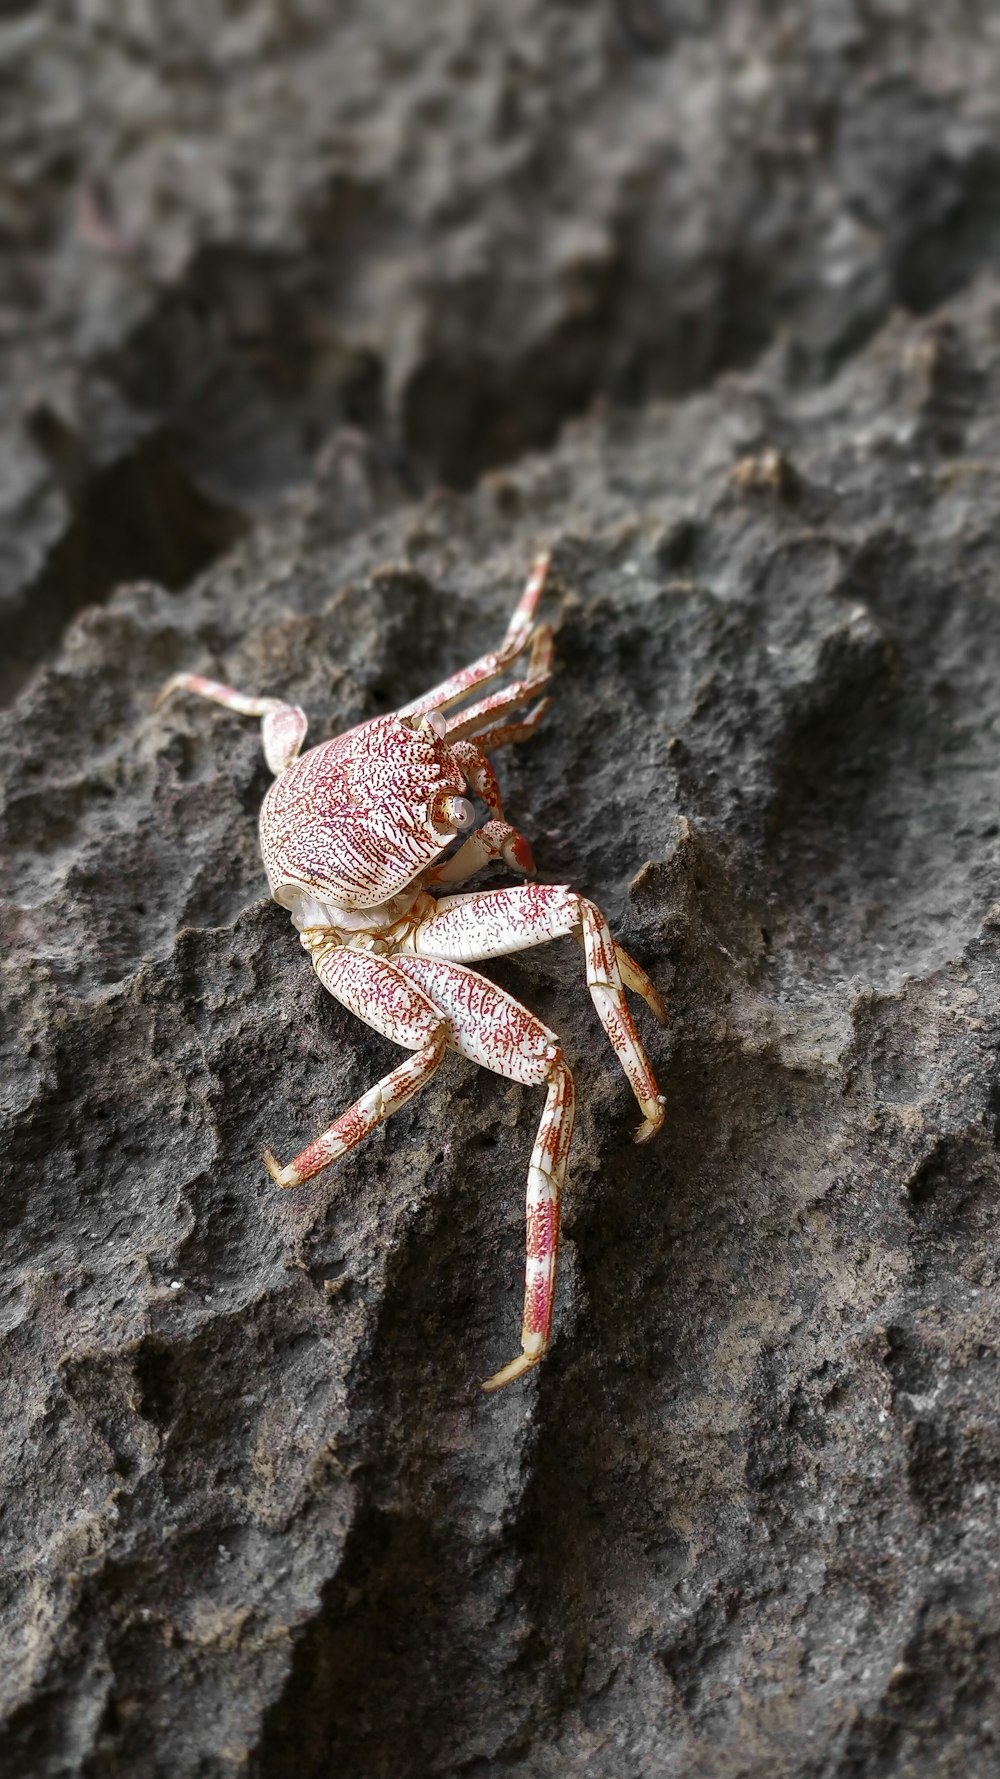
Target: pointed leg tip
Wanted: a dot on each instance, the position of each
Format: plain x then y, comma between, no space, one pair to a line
282,1176
652,1122
509,1374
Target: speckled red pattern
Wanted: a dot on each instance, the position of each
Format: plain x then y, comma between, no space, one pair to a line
352,835
354,819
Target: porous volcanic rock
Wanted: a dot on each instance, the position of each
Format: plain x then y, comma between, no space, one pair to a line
255,1515
228,228
744,1519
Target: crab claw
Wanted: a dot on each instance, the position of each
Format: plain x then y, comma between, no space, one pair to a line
518,855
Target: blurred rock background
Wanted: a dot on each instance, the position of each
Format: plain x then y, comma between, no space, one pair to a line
315,322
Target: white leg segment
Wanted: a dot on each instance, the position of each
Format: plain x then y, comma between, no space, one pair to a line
283,725
519,633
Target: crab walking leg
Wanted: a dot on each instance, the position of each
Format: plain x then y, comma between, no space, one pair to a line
546,1177
491,1028
505,733
470,721
634,977
518,635
360,1119
374,990
283,727
497,922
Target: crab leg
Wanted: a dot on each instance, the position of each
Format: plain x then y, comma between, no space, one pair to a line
497,922
471,720
376,991
504,733
491,1028
284,725
431,1005
518,635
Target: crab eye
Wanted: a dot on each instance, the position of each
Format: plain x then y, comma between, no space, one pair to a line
454,812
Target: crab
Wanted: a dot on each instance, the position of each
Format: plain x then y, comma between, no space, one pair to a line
358,841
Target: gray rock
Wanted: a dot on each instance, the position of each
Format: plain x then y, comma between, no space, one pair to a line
257,1516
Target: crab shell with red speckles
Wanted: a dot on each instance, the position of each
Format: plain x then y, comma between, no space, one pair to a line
356,819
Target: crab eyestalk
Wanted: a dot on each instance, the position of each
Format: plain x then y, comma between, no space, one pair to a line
454,813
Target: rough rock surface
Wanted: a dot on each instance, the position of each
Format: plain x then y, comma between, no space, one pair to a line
266,279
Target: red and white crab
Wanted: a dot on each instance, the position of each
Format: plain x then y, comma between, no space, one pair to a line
352,835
